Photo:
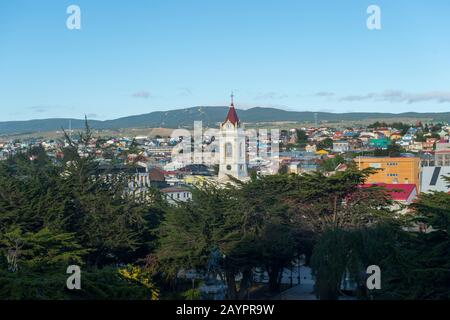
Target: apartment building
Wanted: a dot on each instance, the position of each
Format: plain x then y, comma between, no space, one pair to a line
442,154
392,170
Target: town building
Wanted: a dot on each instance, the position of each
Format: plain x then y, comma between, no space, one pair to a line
177,194
404,194
382,143
442,154
432,179
341,146
392,170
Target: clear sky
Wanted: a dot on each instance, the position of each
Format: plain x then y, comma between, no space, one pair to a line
137,56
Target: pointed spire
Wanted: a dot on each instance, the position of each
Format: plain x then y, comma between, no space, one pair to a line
232,115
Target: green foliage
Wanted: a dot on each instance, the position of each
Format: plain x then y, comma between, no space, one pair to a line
403,127
302,137
414,265
330,164
57,213
325,144
264,223
31,285
41,250
329,262
393,150
190,230
96,284
350,251
192,294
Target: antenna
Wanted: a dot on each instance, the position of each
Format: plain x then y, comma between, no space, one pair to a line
70,129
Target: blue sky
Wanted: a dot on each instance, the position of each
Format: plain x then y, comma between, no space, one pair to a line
133,57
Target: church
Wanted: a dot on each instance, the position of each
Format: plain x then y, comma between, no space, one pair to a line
233,148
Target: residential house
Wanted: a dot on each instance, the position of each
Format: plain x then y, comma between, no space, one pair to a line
341,146
176,194
402,194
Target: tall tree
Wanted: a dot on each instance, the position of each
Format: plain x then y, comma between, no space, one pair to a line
191,231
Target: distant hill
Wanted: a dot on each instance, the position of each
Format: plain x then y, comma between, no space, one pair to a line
210,117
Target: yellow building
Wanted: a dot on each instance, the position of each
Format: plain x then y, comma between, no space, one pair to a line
322,152
395,136
402,170
195,179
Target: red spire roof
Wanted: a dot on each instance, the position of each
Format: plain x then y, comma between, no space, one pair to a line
232,115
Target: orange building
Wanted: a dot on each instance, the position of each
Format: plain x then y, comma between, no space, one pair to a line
400,170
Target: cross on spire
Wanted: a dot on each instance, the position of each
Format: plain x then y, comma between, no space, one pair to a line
232,115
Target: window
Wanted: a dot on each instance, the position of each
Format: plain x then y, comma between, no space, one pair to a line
228,150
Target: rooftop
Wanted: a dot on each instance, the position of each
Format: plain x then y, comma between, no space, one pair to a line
174,189
398,192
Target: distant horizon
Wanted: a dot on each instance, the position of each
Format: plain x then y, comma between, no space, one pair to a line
82,117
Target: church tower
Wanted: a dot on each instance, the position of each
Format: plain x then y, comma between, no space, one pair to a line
233,157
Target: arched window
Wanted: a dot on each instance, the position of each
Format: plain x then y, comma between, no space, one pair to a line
228,150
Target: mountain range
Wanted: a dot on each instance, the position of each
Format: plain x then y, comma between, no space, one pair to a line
210,116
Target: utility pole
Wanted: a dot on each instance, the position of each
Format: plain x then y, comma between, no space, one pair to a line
70,129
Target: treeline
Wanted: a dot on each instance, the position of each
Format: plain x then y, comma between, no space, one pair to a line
403,127
428,128
57,213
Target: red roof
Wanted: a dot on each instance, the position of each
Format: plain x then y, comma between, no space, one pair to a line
156,174
232,115
399,192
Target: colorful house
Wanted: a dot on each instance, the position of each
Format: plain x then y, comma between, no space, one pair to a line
379,143
392,170
403,193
